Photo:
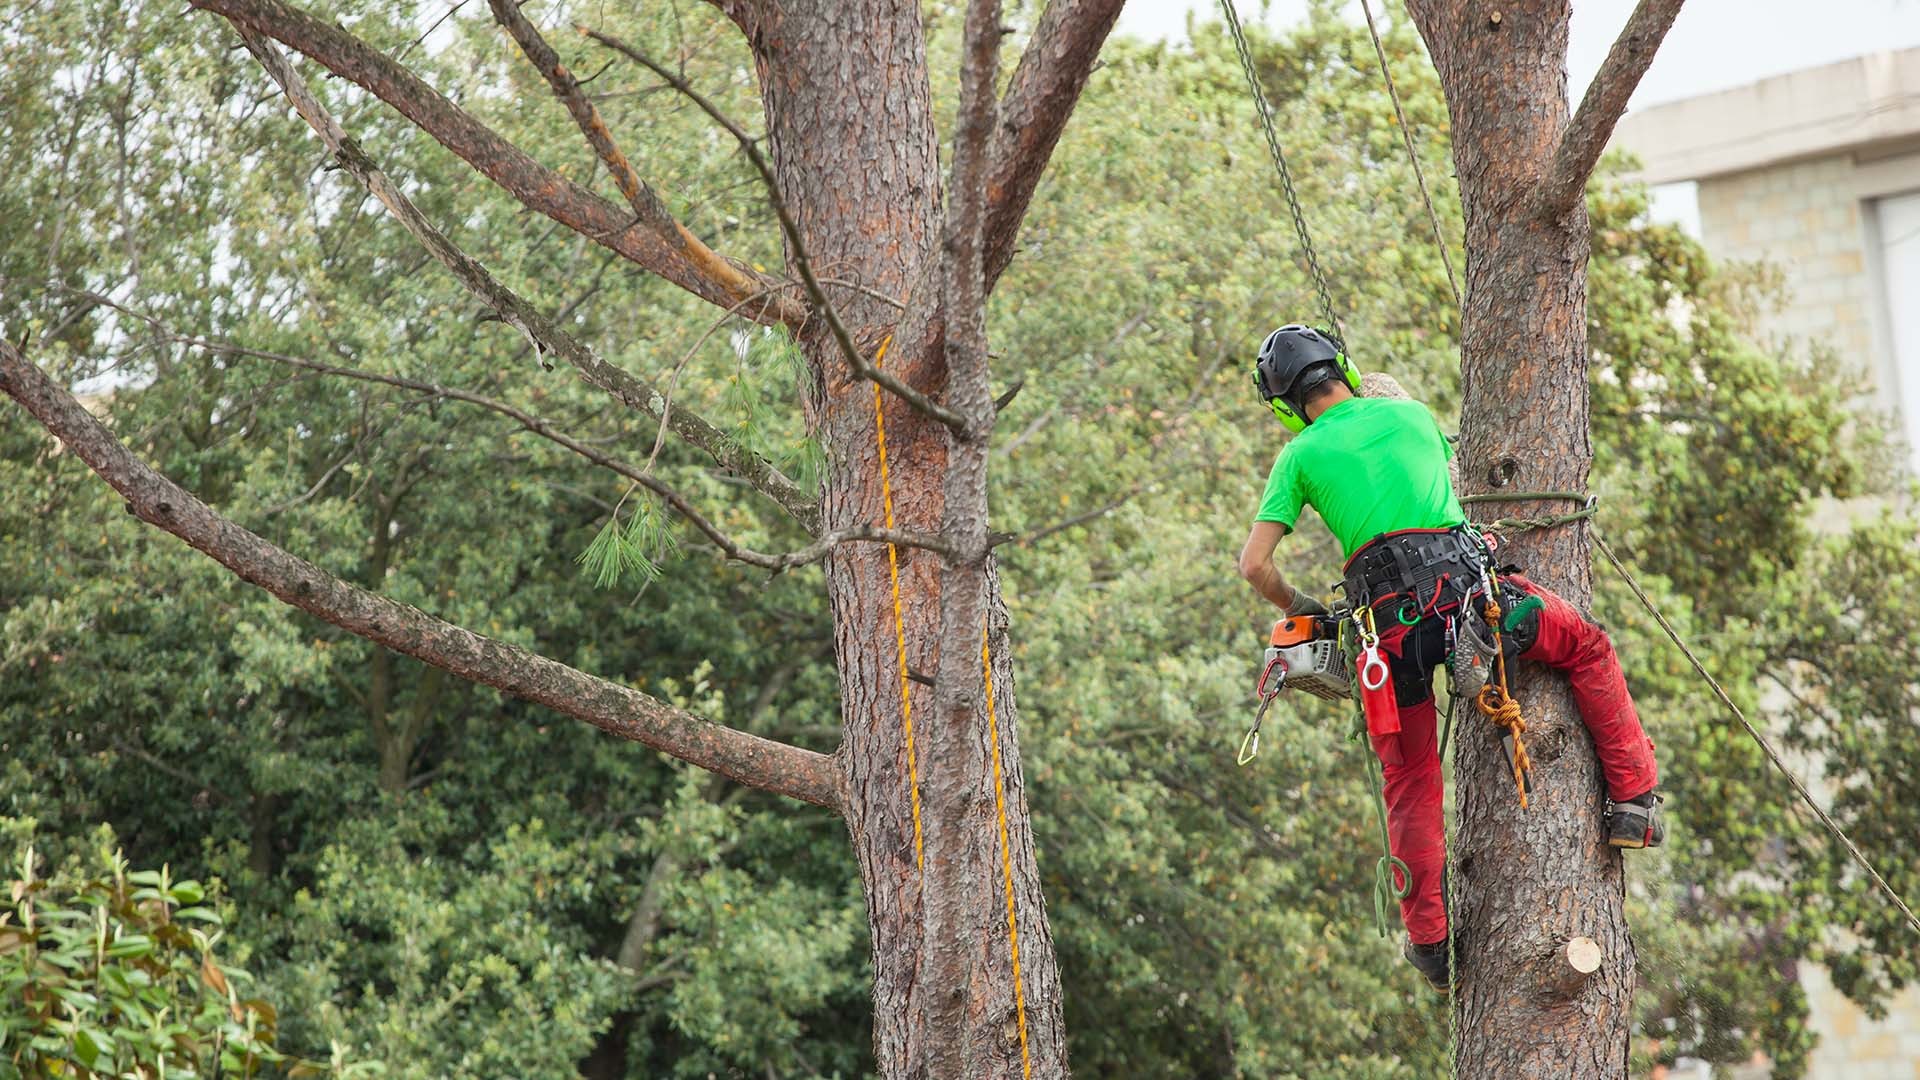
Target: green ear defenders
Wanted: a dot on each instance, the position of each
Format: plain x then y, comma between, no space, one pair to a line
1293,360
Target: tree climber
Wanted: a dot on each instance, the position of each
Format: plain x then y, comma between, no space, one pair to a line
1376,471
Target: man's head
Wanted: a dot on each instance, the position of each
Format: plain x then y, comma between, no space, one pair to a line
1300,371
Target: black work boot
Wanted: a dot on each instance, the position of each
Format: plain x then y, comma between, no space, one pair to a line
1432,963
1635,823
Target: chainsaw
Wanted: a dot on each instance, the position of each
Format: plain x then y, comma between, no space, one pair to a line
1304,653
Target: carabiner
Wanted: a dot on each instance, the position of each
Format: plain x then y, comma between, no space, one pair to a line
1250,745
1364,626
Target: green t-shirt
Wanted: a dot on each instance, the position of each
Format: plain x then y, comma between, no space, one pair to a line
1369,466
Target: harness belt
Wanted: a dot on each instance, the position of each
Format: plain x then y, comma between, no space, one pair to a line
1418,572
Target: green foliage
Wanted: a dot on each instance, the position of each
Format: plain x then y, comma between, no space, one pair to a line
112,973
428,874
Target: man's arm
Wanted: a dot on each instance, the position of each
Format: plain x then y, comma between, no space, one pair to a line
1256,565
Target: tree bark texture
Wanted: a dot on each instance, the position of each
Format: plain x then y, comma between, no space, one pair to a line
856,153
1529,880
844,86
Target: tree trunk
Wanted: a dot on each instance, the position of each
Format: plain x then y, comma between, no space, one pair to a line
1529,880
857,158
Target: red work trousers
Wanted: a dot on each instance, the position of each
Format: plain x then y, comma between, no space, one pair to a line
1565,641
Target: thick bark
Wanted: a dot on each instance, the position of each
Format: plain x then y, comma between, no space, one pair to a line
615,709
1038,103
1528,881
960,824
856,157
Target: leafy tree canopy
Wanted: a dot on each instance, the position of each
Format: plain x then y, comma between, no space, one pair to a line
436,878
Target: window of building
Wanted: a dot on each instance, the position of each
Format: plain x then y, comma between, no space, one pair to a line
1898,220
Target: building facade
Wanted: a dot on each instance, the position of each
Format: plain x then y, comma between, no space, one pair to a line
1818,174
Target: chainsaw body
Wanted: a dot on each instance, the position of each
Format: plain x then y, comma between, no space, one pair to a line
1304,654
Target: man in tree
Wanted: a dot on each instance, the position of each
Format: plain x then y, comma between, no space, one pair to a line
1376,471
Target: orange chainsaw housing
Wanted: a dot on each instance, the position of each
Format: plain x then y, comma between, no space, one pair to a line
1298,630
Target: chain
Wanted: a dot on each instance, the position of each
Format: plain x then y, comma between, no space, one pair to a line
1413,156
1280,164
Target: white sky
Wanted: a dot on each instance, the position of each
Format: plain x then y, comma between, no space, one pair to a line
1713,45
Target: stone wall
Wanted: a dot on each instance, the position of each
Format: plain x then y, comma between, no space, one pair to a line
1813,220
1855,1047
1801,217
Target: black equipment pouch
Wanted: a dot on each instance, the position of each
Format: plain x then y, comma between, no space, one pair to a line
1416,572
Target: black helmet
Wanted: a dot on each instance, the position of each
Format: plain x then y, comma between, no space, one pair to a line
1293,360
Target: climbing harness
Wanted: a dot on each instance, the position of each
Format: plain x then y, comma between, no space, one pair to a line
1441,573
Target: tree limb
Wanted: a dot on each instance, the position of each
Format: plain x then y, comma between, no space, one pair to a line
618,710
861,368
546,338
535,185
1606,99
739,285
728,547
1049,79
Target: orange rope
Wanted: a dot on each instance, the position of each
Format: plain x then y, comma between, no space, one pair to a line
899,621
906,722
1496,703
1006,859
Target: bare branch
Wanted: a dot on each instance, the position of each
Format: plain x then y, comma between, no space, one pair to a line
535,185
1049,79
776,562
546,338
1606,99
739,285
861,368
618,710
1029,538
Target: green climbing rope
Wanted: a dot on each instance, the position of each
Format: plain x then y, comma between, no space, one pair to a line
1388,888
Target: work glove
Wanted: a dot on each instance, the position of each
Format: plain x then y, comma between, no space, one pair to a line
1305,604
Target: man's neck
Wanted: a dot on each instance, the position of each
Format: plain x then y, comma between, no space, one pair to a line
1324,402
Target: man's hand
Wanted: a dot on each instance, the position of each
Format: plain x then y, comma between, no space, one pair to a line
1304,604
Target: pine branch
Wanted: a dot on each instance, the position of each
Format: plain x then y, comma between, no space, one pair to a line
645,203
538,187
815,293
777,562
618,710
